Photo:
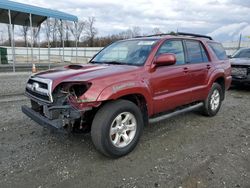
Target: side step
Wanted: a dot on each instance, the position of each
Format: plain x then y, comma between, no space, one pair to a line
175,113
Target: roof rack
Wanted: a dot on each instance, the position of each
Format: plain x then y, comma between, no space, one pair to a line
194,35
155,35
177,34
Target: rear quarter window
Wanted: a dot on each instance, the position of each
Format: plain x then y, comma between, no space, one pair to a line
219,51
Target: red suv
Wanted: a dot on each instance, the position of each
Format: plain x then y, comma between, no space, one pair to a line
128,84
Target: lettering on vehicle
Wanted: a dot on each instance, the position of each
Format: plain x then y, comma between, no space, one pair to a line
122,86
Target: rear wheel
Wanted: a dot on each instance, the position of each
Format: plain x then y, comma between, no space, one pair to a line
116,128
213,102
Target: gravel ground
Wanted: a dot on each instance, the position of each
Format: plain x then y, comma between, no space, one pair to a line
13,83
188,151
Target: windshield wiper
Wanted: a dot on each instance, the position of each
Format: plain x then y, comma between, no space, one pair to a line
96,62
114,62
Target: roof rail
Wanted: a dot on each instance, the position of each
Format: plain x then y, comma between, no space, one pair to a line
155,35
176,34
194,35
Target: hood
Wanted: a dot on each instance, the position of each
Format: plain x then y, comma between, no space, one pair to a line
240,61
87,72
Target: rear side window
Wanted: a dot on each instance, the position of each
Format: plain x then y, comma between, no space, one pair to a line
195,52
218,50
175,47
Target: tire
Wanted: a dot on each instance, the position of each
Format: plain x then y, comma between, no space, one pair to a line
112,116
211,105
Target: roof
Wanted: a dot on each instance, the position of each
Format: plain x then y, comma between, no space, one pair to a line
20,13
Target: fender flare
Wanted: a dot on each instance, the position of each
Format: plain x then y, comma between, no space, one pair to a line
218,73
121,89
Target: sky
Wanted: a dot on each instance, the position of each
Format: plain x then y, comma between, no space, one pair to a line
222,19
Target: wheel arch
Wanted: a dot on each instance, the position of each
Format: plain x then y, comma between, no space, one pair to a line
218,76
138,94
221,81
141,102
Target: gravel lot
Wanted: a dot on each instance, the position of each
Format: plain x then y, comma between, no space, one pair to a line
186,151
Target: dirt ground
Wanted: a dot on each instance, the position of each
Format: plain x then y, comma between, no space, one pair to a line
183,152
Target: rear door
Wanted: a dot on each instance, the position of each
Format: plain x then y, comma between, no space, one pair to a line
170,84
199,67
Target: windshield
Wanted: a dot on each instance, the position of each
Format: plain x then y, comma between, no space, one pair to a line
129,52
242,53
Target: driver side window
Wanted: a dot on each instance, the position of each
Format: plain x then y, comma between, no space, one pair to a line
174,47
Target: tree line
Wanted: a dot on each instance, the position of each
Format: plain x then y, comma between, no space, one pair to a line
81,34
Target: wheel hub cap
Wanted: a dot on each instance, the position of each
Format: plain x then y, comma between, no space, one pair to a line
215,100
123,129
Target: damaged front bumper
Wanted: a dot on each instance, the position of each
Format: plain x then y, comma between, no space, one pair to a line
63,122
42,120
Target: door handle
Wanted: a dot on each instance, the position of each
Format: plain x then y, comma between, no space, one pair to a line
208,67
185,69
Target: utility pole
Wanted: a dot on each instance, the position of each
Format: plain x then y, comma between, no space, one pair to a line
239,41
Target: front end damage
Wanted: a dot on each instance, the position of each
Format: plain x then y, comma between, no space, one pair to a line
64,108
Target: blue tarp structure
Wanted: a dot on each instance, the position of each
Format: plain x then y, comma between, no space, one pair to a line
20,13
14,13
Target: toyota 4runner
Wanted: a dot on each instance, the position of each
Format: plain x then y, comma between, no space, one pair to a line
129,84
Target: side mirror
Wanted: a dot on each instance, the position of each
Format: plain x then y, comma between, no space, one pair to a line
165,59
229,56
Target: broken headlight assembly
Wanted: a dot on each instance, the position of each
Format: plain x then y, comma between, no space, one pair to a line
73,94
73,90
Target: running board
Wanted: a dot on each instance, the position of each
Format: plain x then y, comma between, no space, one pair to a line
175,113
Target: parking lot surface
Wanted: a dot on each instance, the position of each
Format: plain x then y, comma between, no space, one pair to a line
185,151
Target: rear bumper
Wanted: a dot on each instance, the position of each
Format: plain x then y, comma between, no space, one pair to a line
43,121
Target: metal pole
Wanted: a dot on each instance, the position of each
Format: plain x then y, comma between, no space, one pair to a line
62,39
27,50
48,42
12,42
239,41
39,46
76,27
32,39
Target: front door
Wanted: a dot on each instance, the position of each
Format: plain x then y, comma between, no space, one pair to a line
170,84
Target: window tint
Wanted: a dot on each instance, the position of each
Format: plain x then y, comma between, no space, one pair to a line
195,52
218,50
175,47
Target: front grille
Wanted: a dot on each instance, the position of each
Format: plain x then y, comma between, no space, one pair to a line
239,71
40,89
38,95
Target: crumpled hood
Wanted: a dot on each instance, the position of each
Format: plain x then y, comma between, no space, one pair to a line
240,61
86,72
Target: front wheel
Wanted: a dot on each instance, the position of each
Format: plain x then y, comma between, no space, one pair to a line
116,128
213,102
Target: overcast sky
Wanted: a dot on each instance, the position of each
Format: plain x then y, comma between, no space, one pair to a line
223,19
